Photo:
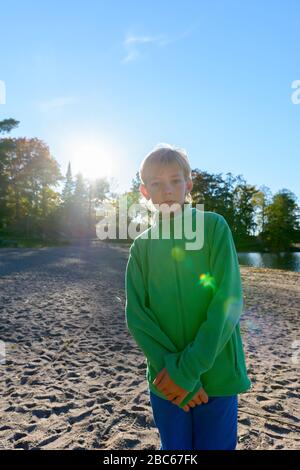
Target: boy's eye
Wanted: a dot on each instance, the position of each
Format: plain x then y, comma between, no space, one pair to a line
174,181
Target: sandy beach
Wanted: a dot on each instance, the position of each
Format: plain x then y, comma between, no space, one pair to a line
75,379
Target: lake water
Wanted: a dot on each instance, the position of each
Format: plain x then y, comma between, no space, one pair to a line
290,261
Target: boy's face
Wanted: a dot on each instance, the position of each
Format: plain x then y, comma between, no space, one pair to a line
166,184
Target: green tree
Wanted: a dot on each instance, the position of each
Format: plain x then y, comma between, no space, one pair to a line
206,190
98,191
6,144
7,125
261,200
244,205
68,189
282,224
31,172
39,175
79,213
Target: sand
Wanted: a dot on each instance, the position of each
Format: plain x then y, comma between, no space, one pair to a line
75,379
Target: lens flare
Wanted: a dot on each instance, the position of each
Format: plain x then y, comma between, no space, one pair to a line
178,253
207,280
251,326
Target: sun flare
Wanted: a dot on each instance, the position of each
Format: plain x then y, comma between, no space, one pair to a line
92,156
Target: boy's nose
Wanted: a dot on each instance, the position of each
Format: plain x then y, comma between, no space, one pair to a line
168,190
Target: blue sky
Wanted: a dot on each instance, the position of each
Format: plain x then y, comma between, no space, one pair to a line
102,82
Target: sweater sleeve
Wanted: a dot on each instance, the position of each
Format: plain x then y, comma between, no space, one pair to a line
223,313
140,319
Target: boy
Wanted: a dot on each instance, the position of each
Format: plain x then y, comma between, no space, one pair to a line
183,309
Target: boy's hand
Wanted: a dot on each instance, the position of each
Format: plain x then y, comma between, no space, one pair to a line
175,393
170,389
199,398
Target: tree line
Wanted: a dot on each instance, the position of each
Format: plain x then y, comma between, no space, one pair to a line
32,205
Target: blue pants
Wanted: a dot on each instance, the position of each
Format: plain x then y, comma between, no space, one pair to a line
209,426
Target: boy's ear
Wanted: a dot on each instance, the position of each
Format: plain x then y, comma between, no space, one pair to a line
189,185
144,191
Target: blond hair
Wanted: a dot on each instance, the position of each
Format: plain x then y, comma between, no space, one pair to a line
165,153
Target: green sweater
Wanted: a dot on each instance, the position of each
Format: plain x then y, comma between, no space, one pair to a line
183,306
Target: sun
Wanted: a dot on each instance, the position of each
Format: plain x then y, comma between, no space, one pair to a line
92,156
